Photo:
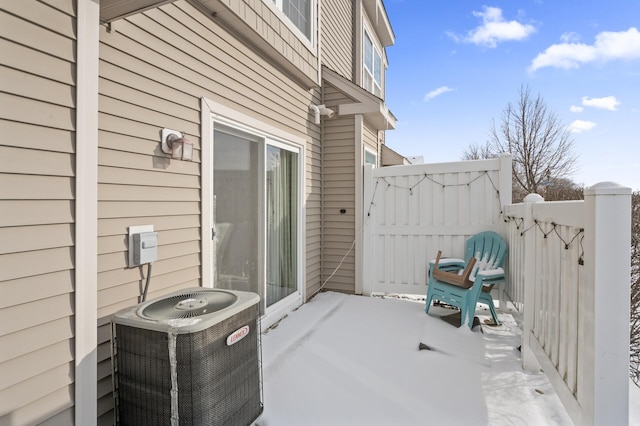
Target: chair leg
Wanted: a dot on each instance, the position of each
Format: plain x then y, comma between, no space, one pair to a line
464,315
430,300
487,299
494,314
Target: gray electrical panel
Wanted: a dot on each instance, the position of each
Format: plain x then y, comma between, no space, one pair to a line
145,248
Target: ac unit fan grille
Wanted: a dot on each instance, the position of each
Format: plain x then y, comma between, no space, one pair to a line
188,305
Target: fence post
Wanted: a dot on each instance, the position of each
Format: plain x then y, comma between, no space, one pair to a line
367,252
505,187
506,182
605,305
529,361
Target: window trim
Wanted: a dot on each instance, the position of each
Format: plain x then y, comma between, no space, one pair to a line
368,150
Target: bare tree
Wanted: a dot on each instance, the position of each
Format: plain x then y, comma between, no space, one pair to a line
635,288
560,189
478,152
540,144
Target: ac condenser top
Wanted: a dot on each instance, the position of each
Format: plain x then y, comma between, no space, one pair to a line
188,310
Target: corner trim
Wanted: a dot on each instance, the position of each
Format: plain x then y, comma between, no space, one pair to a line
359,224
86,220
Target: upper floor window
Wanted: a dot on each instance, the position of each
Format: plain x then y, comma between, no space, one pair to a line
372,70
299,13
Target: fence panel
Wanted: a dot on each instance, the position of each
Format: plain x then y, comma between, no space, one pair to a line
568,269
570,260
411,212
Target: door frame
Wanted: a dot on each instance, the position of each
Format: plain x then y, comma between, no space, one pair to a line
211,112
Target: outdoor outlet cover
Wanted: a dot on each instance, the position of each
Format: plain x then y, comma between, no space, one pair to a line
136,230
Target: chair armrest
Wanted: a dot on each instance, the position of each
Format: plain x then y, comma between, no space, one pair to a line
488,277
449,262
490,274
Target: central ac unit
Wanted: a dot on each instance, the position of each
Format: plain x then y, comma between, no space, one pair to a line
189,358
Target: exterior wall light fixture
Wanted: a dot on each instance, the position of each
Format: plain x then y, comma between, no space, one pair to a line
174,143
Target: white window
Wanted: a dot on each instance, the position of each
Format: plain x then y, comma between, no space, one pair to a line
370,157
299,13
372,69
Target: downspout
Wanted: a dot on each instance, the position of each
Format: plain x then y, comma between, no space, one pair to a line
316,113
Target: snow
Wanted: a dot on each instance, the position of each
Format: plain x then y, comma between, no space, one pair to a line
347,360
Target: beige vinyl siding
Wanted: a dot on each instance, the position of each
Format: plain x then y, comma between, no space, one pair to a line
313,206
391,158
370,139
337,37
338,193
37,238
154,69
270,31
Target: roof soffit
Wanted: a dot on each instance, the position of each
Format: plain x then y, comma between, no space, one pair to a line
370,106
111,10
380,21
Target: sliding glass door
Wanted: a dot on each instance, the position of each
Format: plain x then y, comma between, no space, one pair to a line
256,214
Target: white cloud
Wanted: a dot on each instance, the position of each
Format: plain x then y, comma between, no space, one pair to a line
437,92
494,29
575,108
608,102
608,46
579,126
570,37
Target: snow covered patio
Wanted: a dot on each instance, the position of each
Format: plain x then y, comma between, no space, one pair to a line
348,360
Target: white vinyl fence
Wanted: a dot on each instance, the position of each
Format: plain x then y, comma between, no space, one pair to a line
568,267
569,276
411,212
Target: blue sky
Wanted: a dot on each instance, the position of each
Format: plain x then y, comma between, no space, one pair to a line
457,63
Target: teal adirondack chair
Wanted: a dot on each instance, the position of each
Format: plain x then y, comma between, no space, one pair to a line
464,283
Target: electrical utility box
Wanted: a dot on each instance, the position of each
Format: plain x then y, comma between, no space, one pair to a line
145,247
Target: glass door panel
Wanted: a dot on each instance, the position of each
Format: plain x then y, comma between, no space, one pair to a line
237,189
282,225
256,204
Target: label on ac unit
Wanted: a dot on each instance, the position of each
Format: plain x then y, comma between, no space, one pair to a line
237,335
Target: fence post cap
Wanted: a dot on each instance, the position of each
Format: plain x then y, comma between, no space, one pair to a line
533,198
607,188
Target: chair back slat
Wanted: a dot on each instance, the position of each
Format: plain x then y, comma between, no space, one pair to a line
488,248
